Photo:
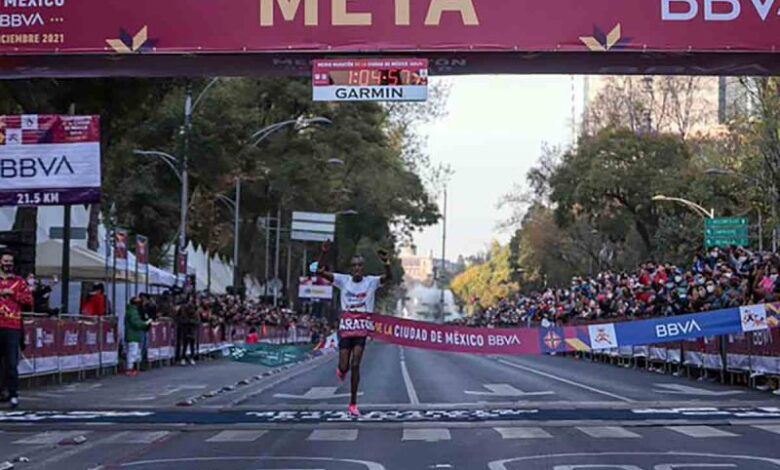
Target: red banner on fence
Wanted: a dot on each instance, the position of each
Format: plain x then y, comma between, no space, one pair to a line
109,348
90,356
47,343
71,345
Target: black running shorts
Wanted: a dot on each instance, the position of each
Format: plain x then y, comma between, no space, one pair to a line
350,343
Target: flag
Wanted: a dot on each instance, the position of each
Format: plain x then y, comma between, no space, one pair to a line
141,250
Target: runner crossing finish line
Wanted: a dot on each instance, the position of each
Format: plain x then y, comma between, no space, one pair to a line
358,295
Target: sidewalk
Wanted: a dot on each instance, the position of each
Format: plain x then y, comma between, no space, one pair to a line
157,388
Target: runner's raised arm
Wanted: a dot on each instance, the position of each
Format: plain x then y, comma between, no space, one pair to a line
321,263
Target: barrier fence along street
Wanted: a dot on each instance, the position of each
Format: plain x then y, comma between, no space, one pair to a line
76,344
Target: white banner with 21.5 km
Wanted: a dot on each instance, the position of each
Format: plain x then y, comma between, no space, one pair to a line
49,160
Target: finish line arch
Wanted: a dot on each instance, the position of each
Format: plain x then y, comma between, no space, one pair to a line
92,38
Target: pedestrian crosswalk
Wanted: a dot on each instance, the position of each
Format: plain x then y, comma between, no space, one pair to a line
236,436
610,432
701,431
407,434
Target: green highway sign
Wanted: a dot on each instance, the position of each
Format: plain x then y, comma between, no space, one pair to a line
730,221
726,231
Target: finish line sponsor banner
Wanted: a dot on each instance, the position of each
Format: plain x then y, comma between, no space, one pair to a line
516,341
49,160
532,341
152,27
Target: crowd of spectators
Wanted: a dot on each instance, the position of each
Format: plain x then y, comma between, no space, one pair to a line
716,279
224,314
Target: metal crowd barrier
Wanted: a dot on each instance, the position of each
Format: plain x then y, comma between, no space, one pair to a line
77,344
67,344
752,355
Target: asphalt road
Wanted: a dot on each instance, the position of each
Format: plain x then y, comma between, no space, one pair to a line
422,410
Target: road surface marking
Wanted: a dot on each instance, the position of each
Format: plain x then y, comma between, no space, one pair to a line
427,435
506,390
566,381
170,390
546,458
368,465
775,428
700,431
316,393
137,437
679,389
523,433
236,436
413,399
50,437
608,432
333,435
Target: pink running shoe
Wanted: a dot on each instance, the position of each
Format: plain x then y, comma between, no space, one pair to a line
340,375
354,411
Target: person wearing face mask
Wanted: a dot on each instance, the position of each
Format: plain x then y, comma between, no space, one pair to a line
14,294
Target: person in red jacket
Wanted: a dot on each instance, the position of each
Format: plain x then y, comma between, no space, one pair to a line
14,293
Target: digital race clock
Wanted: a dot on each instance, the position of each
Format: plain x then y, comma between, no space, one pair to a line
370,80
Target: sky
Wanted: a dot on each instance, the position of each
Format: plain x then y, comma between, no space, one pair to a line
492,135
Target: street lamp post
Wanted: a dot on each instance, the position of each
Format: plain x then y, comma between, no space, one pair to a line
704,213
180,170
256,139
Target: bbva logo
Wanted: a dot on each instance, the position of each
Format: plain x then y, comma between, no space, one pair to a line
677,328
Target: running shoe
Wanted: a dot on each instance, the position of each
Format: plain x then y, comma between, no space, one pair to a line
354,411
340,375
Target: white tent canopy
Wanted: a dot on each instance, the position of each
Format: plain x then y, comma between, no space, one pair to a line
85,265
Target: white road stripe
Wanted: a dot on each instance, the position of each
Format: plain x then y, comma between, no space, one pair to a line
50,437
333,435
523,433
236,436
700,431
137,437
608,432
566,381
775,428
427,435
413,399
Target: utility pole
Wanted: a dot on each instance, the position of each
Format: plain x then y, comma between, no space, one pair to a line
267,248
443,255
66,222
276,256
184,179
236,208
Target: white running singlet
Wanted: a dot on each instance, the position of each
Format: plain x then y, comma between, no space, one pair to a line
357,296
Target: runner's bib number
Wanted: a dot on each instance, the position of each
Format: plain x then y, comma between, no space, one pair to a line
355,325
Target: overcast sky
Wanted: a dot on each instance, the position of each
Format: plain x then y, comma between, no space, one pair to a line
491,137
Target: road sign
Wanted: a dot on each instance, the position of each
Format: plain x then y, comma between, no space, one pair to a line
738,221
370,80
313,226
76,233
726,231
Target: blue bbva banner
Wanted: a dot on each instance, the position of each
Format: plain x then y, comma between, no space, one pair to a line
677,328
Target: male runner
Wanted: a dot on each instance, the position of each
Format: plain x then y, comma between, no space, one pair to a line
358,294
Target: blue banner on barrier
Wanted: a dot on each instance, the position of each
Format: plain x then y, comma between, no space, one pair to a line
668,329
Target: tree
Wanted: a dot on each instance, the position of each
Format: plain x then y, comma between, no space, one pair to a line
380,179
488,282
611,179
669,104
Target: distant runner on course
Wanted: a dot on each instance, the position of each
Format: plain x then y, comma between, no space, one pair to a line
358,295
